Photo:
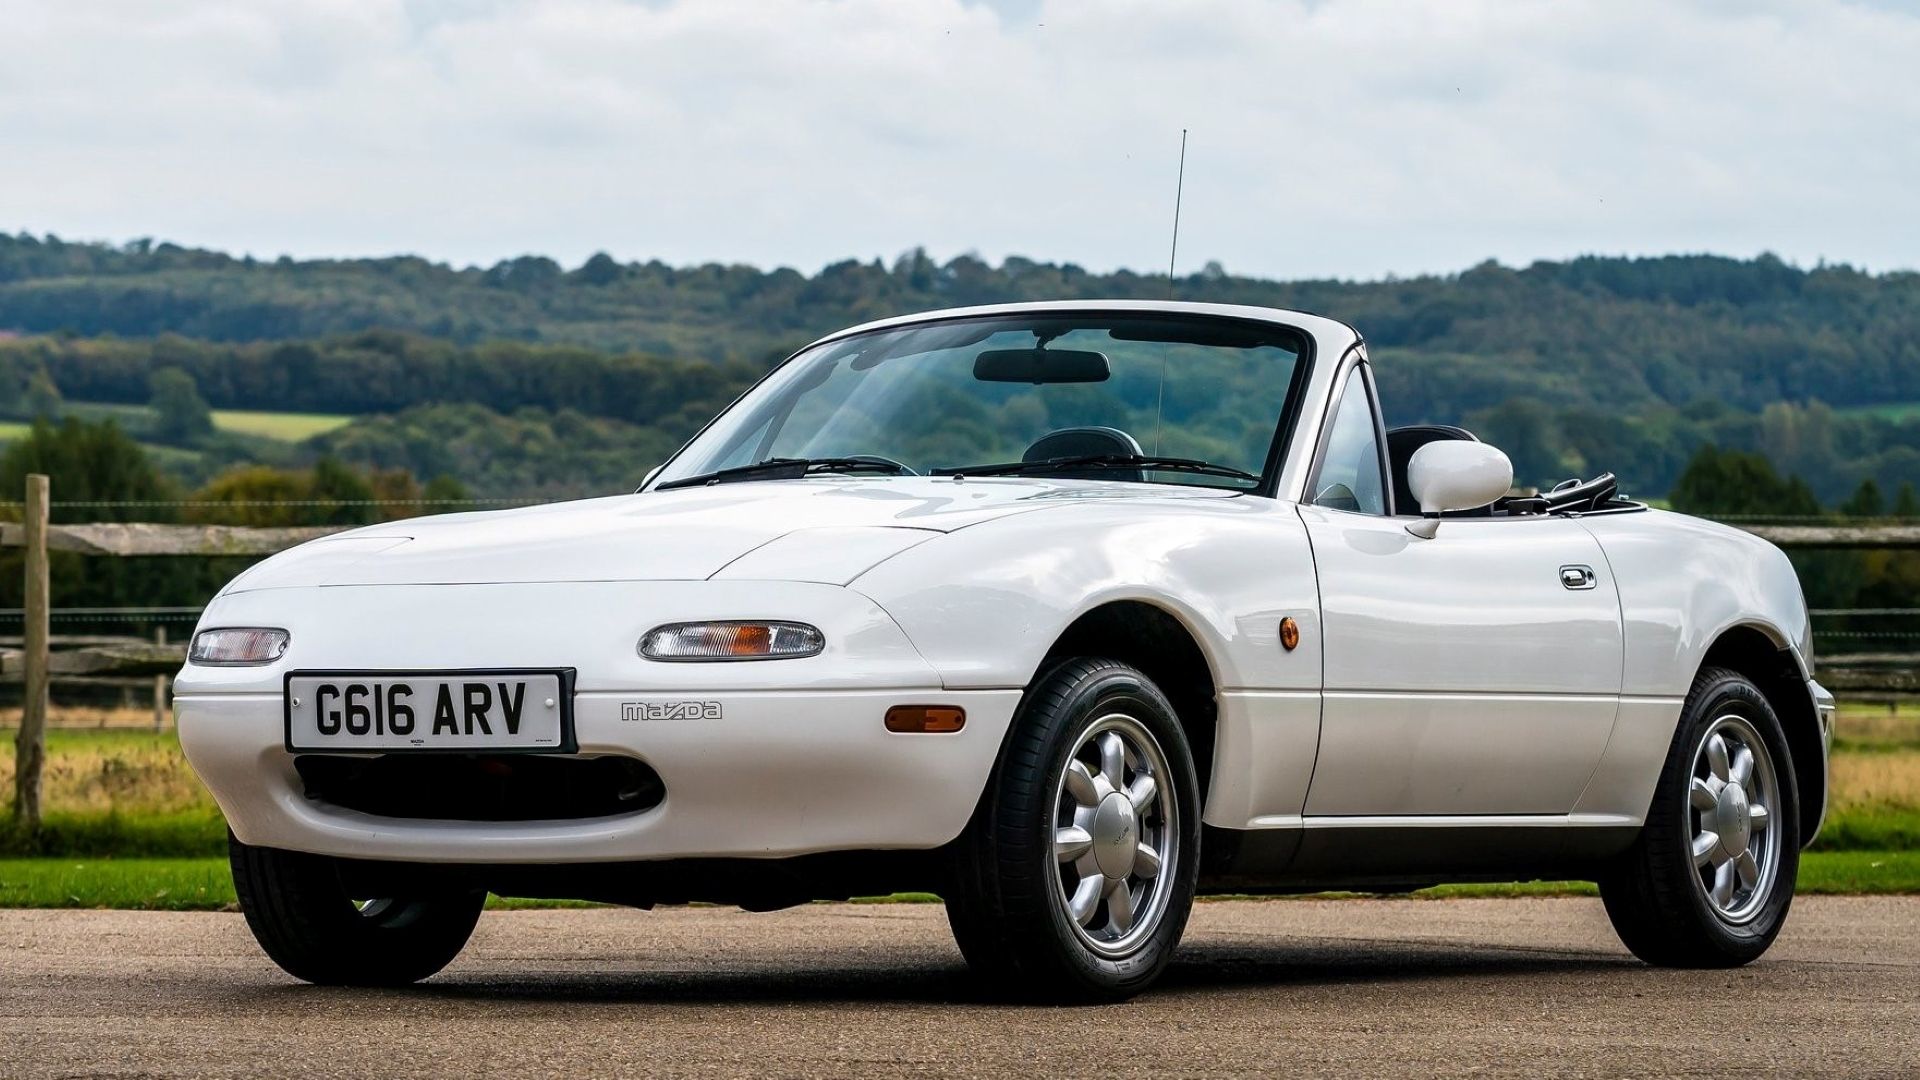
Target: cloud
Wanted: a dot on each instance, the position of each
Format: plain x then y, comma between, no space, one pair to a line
1329,137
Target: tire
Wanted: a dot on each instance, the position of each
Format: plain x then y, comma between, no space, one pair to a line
304,918
1673,909
1040,921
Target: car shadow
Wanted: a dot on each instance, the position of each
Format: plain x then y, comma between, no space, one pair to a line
929,977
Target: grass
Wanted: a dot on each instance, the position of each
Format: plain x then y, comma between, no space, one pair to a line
129,821
115,791
100,771
200,884
1839,873
1887,410
203,884
285,426
135,884
1870,726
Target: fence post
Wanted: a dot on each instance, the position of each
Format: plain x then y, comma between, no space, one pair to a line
160,685
30,743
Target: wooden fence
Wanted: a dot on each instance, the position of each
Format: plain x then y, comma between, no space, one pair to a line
36,663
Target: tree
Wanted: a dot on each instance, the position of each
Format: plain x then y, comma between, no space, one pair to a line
330,493
344,496
256,495
43,396
182,415
599,270
1732,483
444,495
1865,501
1906,504
1524,429
88,462
98,463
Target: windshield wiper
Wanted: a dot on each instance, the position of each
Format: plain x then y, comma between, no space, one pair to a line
1101,461
785,469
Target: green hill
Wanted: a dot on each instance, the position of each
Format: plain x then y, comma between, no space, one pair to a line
1591,363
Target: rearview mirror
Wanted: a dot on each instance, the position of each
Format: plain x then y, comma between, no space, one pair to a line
1039,366
1455,475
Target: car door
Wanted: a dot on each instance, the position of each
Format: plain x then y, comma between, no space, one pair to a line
1475,673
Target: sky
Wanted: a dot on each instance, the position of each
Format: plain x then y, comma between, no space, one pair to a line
1327,138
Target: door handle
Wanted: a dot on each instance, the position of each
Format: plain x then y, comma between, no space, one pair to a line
1577,577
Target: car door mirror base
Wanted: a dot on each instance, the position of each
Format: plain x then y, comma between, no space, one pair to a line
1426,528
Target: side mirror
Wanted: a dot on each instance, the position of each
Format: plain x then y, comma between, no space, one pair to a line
1455,475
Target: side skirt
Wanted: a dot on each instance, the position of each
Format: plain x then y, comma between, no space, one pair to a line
1394,854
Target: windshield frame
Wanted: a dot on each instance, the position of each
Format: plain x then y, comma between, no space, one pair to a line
1284,428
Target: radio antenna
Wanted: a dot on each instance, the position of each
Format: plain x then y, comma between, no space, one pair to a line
1179,187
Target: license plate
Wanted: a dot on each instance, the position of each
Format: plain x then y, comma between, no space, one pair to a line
506,710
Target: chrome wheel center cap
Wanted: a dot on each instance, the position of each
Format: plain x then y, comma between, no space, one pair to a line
1115,835
1733,820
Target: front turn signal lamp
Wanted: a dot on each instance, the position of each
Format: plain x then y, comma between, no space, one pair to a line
742,640
237,646
926,719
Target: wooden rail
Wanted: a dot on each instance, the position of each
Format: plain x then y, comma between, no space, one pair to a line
33,663
1878,537
124,538
1869,673
133,658
1869,680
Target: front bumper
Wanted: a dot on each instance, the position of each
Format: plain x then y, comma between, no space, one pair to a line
781,773
797,761
1823,713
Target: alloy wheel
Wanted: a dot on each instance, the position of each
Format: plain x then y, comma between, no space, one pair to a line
1732,799
1116,835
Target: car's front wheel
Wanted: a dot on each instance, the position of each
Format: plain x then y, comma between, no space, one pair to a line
1075,878
308,921
1709,880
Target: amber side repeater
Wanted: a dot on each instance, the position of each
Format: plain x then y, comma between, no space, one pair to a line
1289,634
925,719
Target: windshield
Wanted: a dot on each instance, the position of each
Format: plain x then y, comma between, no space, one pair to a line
939,397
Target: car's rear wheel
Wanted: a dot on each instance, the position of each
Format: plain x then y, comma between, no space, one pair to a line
1709,881
308,921
1075,878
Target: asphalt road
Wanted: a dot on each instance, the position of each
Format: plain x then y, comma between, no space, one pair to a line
1374,988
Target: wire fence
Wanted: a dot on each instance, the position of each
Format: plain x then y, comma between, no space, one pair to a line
150,504
1836,630
74,511
111,614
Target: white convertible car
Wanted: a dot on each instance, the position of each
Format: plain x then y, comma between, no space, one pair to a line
1065,612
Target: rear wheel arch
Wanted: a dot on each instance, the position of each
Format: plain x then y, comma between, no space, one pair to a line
1156,642
1758,654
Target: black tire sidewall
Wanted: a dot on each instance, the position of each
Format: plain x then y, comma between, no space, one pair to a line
304,918
1060,708
1723,693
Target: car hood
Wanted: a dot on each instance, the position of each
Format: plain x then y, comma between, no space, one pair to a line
808,530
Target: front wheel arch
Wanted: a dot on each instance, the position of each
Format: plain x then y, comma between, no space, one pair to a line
1157,643
1752,653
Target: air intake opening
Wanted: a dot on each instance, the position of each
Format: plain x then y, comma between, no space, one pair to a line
482,787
